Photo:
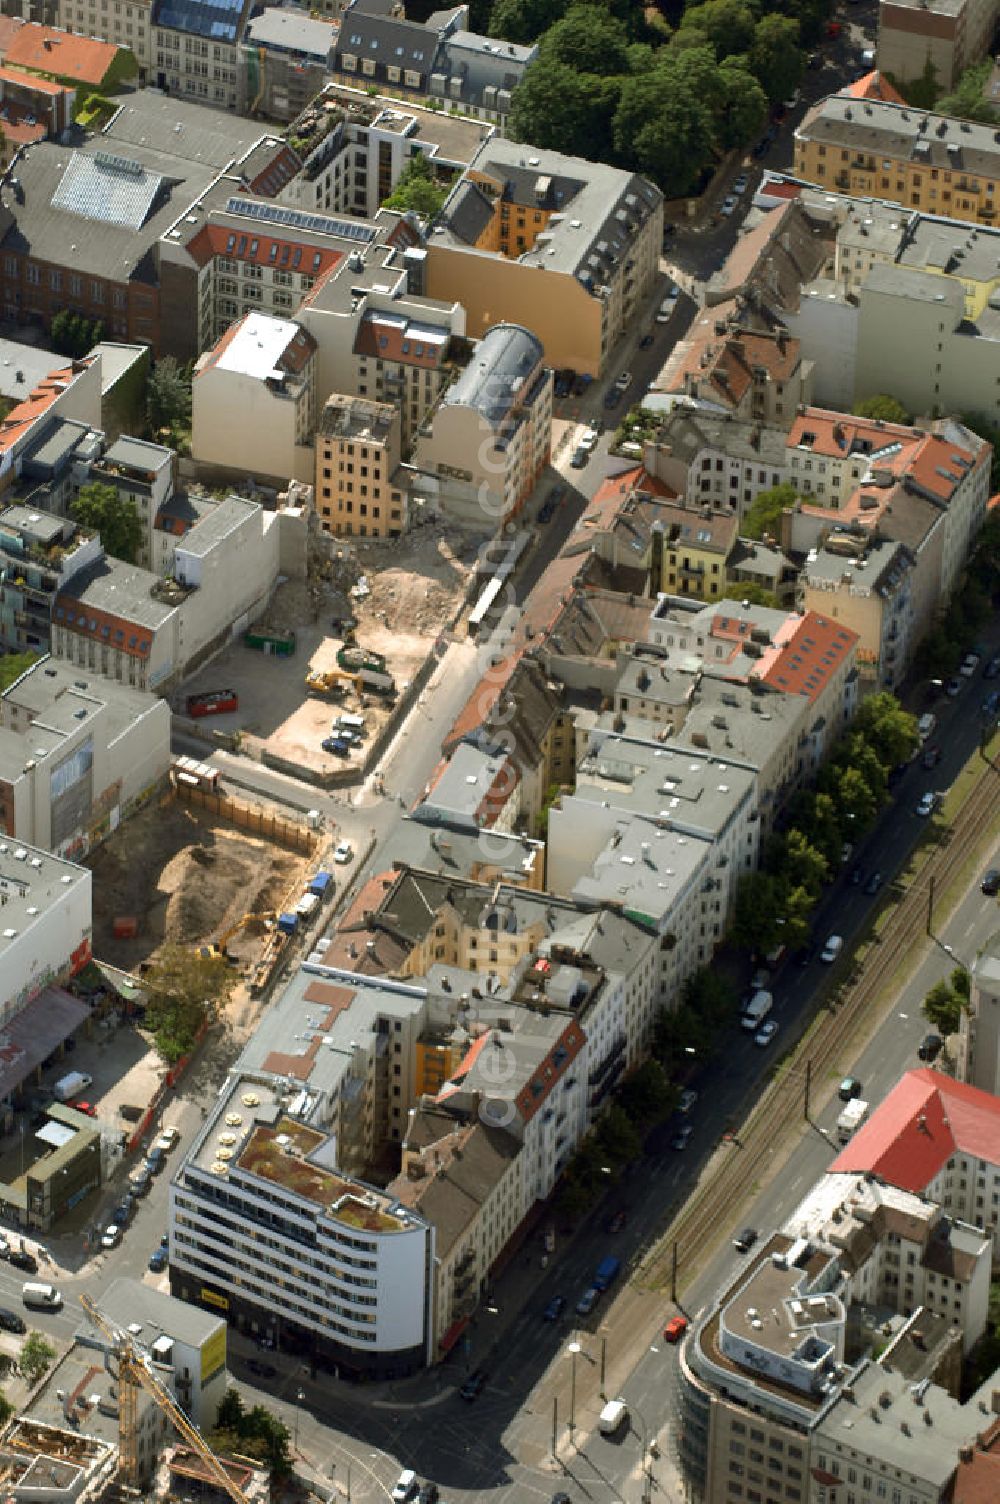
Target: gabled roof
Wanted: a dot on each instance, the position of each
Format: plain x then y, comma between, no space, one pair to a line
61,53
874,85
925,1119
808,650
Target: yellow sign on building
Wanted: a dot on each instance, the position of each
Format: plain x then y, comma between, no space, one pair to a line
213,1354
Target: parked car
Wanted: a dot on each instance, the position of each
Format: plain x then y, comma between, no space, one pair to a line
588,1301
687,1101
682,1138
617,1221
140,1183
111,1236
930,1047
992,669
927,804
337,745
623,381
874,883
343,852
991,703
832,949
555,1308
645,342
155,1160
581,384
157,1261
675,1328
474,1385
168,1139
765,1033
728,204
10,1321
125,1209
990,884
563,384
22,1259
405,1487
612,397
580,455
262,1370
953,688
856,877
848,1088
745,1239
588,440
969,665
932,756
740,186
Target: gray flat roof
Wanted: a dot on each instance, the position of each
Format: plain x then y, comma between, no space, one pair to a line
867,571
119,588
209,531
43,527
698,792
903,133
646,884
58,697
22,367
130,1301
292,31
139,454
116,360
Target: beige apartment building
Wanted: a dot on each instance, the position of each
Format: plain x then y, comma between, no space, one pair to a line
359,490
567,247
126,23
950,35
873,149
253,401
490,437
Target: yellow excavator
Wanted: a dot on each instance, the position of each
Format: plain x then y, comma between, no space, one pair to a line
217,951
332,682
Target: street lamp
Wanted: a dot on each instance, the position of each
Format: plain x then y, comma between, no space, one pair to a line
300,1395
574,1348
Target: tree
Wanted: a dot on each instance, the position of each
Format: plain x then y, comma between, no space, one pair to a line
184,991
36,1357
74,335
256,1433
882,407
798,904
617,1137
942,1008
968,100
647,1095
855,799
558,108
727,25
113,515
523,21
742,108
775,57
168,395
800,864
588,40
763,515
756,911
889,730
417,190
750,591
663,125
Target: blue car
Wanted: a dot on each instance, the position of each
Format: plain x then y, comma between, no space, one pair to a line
555,1308
157,1261
337,745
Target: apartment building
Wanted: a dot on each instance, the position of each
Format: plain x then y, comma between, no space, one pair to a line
473,790
938,1138
879,150
46,904
284,62
979,1030
440,59
82,227
867,586
128,624
83,63
567,247
359,488
34,108
195,49
69,395
781,1361
490,436
39,552
727,369
145,473
126,23
253,402
712,459
946,35
77,756
403,358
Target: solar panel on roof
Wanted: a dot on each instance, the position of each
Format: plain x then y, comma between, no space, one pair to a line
107,189
297,219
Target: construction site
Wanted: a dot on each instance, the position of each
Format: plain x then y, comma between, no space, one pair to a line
176,874
388,600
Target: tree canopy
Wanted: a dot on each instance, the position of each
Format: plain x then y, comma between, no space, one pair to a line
168,396
253,1433
185,990
417,190
35,1358
73,334
113,515
764,513
882,407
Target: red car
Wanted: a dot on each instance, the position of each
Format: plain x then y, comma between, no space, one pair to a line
833,29
86,1107
675,1328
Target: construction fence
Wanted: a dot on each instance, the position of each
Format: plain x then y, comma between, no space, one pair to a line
252,818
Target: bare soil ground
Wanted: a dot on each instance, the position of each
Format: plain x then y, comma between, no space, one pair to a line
416,584
185,878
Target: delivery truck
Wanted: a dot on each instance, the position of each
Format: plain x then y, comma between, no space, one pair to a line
606,1272
71,1085
850,1120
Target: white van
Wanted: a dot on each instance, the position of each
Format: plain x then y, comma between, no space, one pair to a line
926,725
613,1417
832,948
757,1010
349,723
41,1297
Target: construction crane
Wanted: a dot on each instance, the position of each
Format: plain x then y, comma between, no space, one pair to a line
135,1373
217,950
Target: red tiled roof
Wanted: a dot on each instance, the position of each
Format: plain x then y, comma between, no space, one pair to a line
977,1480
37,403
32,82
874,86
256,245
390,339
62,53
9,27
923,1121
722,365
480,703
807,651
551,1070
